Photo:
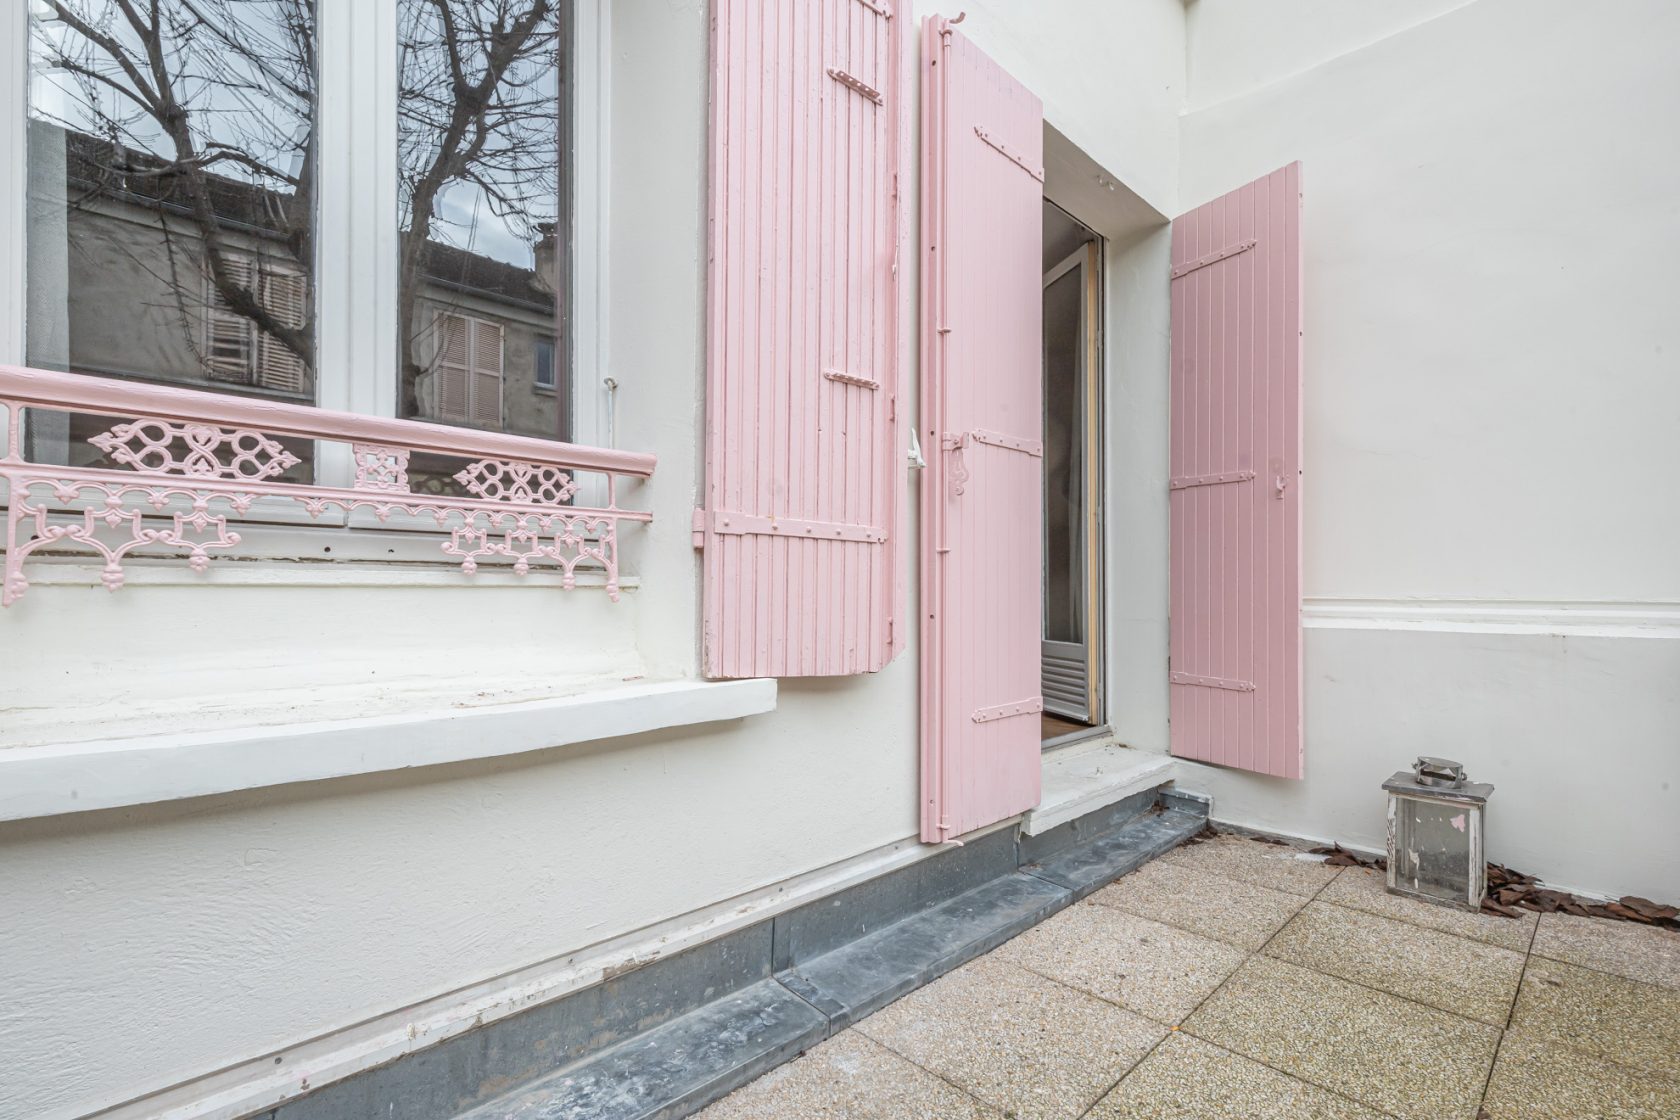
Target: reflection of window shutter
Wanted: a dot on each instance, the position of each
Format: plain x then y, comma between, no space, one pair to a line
449,334
487,373
285,296
227,336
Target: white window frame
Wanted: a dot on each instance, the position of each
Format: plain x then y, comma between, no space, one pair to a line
356,231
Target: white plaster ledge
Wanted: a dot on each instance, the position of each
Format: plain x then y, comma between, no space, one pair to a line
70,778
1084,778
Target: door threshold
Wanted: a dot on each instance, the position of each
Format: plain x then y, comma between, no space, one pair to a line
1078,736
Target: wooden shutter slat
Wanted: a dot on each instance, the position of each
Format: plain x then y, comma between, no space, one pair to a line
803,229
451,365
1235,462
981,431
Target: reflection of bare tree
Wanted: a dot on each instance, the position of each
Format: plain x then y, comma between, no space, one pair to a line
206,109
477,108
216,94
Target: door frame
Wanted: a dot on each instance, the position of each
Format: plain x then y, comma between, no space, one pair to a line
1088,259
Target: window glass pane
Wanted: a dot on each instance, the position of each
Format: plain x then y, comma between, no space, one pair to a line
545,363
171,198
483,244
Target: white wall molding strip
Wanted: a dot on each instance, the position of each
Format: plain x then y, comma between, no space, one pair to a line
70,778
1498,616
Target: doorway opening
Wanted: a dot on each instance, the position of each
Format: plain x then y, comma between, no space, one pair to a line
1072,531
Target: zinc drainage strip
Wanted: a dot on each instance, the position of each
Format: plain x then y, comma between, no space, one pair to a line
667,1039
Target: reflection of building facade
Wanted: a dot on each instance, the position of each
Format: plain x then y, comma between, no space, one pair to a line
136,298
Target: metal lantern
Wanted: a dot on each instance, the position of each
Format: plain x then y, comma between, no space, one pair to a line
1435,834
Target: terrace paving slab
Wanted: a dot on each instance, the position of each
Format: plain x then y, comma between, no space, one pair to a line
1537,1078
1276,866
1391,1054
1144,966
1361,888
1033,1047
849,1077
1236,913
1188,1079
1643,953
1617,1020
1233,981
1454,974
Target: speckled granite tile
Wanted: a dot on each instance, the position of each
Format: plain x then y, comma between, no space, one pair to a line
1363,889
1453,973
1153,969
848,1077
1618,1020
1394,1055
1274,866
1037,1049
1188,1079
1627,949
1542,1079
1240,914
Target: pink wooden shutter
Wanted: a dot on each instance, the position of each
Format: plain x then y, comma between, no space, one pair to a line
1235,666
803,461
982,433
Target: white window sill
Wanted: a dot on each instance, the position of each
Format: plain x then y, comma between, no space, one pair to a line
1083,778
51,780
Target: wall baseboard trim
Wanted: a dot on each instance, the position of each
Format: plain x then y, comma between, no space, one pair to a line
1564,618
271,1079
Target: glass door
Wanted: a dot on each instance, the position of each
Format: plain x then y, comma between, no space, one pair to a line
1072,477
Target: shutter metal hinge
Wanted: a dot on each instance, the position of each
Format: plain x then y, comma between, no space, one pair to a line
1004,711
856,84
1188,480
699,528
857,379
1013,156
1213,258
733,523
1211,682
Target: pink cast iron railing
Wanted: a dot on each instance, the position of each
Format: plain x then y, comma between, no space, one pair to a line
181,463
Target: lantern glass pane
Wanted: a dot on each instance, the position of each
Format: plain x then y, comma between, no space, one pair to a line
1432,848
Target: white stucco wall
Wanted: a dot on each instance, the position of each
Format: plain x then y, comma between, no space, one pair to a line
1490,454
1236,46
252,922
1491,414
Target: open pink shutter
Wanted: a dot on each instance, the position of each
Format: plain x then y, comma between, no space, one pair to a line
803,463
982,433
1235,666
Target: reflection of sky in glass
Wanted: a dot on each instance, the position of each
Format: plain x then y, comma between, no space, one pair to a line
466,220
230,74
524,167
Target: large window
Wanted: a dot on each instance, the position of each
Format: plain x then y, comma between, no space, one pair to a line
171,206
478,141
205,208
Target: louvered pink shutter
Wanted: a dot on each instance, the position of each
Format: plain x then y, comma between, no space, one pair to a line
803,461
1235,666
982,433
